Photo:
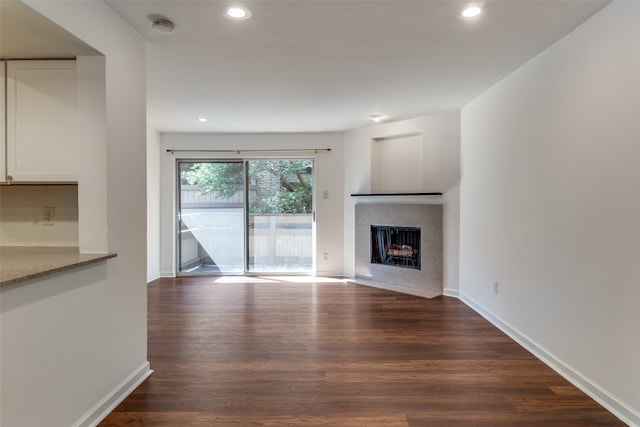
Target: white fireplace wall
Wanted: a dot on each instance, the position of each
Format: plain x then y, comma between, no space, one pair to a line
396,163
426,281
439,168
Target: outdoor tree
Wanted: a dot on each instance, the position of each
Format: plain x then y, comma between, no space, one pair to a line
276,186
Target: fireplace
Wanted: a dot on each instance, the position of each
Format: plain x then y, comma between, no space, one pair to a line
395,246
399,247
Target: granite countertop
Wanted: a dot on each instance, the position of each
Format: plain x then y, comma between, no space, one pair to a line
20,263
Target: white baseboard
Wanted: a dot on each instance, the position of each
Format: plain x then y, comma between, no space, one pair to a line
396,288
330,274
448,292
104,407
613,404
153,277
169,274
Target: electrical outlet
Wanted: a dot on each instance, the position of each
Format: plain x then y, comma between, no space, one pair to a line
495,287
48,215
325,195
326,256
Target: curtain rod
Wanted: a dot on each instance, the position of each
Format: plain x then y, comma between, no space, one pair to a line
284,150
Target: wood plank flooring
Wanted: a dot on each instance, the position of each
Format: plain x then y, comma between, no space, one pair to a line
258,352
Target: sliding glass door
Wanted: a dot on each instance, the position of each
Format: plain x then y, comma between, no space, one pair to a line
280,215
242,216
211,217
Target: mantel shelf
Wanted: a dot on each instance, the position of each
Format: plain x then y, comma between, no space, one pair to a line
393,194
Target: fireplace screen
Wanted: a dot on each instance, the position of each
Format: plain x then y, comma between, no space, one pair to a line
396,246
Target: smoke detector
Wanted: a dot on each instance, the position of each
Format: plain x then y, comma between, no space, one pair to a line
163,25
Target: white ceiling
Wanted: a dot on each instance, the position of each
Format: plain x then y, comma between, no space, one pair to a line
315,65
322,65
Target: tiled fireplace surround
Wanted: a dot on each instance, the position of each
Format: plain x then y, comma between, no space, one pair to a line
426,282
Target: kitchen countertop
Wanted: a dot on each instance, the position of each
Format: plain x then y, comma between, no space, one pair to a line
20,263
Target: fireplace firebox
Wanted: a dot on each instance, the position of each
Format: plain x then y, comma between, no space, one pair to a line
395,246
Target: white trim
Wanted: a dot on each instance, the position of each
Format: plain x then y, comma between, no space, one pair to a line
394,287
605,398
153,277
448,292
169,274
330,274
104,407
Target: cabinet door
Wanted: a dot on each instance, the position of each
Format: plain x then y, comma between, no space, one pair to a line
41,125
3,139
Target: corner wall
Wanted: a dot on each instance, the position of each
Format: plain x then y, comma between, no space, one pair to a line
153,205
440,172
550,207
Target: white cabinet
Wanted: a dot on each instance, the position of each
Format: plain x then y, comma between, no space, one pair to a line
41,120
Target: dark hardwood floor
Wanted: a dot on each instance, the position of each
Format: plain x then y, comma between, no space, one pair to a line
280,353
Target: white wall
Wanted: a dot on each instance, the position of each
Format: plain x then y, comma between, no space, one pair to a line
91,147
21,216
550,206
153,205
328,174
440,172
73,343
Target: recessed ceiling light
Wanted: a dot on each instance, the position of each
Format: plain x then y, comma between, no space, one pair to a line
238,13
203,119
471,11
376,117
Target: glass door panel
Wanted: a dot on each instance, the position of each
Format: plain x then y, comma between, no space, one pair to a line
211,217
280,215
